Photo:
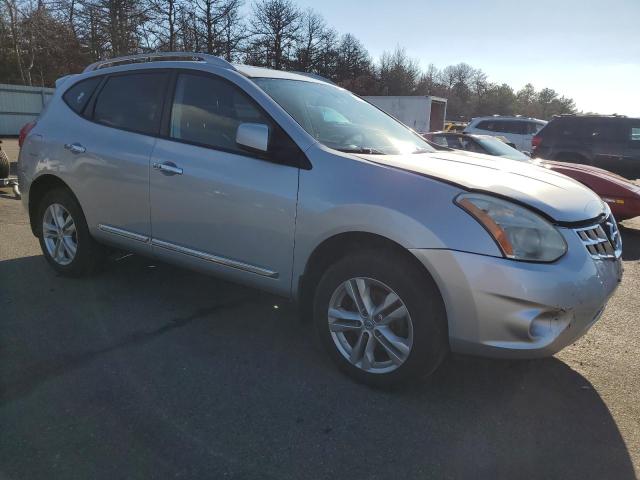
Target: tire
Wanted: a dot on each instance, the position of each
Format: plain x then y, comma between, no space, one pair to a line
89,255
4,165
422,333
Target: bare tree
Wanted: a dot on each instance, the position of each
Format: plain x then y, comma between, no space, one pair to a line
428,83
233,33
217,17
312,31
41,40
275,27
398,73
15,34
164,14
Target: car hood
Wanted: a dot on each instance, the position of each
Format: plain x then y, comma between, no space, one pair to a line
554,194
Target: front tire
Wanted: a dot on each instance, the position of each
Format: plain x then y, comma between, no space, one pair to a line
64,236
381,318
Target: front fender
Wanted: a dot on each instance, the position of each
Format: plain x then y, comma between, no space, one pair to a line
413,211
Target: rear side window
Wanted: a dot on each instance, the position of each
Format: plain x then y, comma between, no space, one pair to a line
514,127
485,125
207,111
503,126
635,133
78,95
604,130
132,102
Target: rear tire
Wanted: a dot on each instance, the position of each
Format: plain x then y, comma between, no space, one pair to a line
379,345
64,236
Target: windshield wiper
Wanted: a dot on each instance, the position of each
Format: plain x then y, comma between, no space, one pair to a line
368,151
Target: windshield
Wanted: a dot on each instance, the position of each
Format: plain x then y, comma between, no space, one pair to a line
499,148
340,120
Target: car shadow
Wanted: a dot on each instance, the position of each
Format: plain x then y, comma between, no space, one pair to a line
164,372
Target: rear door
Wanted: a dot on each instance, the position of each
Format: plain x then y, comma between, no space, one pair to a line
223,209
632,150
519,132
511,130
110,149
608,139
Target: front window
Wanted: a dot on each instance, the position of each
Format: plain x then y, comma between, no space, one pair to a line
340,120
207,111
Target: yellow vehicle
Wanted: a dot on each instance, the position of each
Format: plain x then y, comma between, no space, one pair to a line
454,126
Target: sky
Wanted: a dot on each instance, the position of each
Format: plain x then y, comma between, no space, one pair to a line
584,49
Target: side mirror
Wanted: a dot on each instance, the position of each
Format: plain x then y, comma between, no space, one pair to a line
253,136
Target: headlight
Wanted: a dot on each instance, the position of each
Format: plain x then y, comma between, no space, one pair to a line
520,233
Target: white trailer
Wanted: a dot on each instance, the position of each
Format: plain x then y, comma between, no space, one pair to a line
421,113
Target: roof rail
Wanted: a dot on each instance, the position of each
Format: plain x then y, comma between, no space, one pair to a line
161,56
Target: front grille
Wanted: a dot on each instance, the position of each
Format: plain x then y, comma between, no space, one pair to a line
603,240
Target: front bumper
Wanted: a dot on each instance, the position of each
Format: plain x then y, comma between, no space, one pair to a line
504,308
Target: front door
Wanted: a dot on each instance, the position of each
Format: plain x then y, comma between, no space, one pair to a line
214,205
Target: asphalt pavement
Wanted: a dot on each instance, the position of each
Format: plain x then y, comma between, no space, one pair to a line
150,371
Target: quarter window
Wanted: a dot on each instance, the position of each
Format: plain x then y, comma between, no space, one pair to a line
635,134
515,127
132,102
533,128
207,111
78,95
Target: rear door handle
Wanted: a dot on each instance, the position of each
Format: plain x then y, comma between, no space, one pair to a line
168,168
75,147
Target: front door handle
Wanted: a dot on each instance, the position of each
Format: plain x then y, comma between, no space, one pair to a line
168,168
75,147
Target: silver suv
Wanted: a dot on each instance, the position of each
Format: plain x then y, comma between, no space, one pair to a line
517,131
290,184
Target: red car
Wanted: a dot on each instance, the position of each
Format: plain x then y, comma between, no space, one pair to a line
622,195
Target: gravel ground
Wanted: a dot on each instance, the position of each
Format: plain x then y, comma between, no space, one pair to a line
149,371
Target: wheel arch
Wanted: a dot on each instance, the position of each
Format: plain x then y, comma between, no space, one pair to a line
338,246
38,189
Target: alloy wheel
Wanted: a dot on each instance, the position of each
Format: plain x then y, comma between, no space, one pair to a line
59,234
370,325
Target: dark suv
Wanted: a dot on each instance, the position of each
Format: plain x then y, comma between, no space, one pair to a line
609,142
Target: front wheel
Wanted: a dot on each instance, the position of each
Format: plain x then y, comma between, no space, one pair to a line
381,318
64,236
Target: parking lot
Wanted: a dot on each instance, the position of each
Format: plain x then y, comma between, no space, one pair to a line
150,371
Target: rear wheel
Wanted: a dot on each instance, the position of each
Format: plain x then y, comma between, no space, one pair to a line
64,236
381,318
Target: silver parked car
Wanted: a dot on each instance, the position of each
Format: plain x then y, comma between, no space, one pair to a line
290,184
517,130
